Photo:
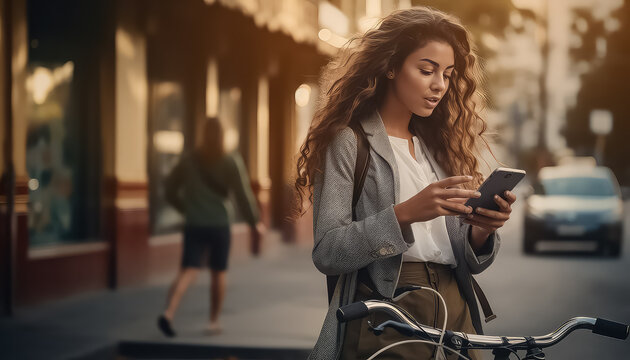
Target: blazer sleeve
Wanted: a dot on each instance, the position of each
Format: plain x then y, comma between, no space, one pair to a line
478,263
342,245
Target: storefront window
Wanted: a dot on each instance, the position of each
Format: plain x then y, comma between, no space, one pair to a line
167,135
51,174
63,148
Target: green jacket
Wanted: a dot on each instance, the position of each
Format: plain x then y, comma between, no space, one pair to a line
201,191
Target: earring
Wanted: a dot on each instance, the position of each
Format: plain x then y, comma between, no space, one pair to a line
390,75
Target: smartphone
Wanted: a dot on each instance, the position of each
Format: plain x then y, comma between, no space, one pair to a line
501,180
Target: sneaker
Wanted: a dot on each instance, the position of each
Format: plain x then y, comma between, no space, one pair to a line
214,328
165,326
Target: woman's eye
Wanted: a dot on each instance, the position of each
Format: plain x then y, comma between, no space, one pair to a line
448,77
425,72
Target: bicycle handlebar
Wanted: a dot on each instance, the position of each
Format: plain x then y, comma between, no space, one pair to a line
409,327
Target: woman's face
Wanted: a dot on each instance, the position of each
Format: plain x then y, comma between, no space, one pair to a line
424,77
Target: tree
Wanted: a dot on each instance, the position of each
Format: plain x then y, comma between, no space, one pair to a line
606,86
484,19
480,17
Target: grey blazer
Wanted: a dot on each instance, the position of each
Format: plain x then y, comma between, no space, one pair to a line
376,240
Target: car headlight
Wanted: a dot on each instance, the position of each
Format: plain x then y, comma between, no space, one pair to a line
613,215
537,213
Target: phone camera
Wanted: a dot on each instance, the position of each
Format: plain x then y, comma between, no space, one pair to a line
507,175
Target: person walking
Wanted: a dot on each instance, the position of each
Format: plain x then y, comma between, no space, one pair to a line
409,87
198,187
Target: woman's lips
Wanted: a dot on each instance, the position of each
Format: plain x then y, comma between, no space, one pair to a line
432,101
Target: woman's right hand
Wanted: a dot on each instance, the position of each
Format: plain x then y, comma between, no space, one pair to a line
437,199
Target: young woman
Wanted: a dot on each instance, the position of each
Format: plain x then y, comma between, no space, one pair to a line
411,84
198,187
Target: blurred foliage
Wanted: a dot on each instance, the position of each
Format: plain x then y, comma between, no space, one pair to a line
479,17
587,48
605,86
483,18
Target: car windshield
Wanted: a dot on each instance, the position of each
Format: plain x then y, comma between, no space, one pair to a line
584,186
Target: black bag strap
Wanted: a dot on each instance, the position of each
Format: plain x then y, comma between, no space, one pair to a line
360,171
483,300
361,167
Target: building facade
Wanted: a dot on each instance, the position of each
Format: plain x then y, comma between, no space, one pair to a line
100,99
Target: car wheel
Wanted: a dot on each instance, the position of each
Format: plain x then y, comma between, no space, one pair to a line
612,248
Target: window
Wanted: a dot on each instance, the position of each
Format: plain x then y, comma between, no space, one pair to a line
63,154
167,144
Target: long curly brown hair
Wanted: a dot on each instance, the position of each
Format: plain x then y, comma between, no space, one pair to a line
354,84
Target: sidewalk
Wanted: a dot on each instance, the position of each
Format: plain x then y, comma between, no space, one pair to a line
275,301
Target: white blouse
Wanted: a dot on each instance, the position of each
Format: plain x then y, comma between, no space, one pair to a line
432,243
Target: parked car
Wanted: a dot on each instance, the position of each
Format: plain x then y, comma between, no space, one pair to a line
575,203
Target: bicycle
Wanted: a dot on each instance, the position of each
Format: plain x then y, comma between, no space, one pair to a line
459,343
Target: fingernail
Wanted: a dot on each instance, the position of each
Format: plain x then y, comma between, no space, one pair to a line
468,177
496,197
477,194
507,193
469,216
469,209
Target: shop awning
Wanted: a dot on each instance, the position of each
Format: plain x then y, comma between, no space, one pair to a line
295,18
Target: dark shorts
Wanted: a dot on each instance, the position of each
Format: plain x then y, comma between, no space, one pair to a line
206,246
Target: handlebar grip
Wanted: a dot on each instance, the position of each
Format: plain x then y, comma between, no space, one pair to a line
352,311
610,328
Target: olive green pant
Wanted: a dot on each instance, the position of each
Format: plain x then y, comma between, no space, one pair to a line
424,305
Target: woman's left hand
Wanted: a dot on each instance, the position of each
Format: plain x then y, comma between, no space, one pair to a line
485,221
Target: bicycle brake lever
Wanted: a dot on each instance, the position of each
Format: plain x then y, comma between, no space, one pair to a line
377,330
404,329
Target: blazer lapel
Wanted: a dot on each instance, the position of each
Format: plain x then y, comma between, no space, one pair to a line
377,137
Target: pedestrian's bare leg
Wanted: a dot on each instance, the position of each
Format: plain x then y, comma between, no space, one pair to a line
185,277
217,294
